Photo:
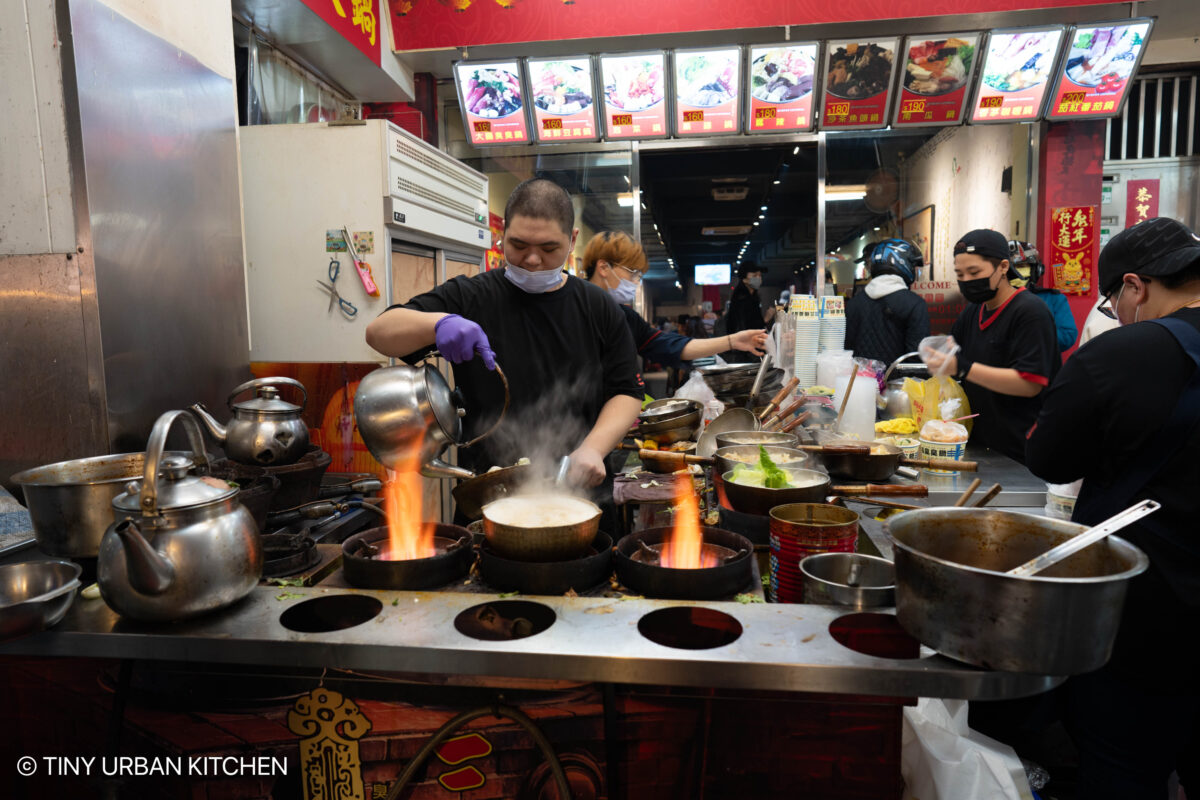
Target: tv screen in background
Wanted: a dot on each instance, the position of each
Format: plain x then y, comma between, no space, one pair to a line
712,274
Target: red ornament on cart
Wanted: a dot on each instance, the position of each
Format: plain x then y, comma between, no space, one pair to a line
1072,243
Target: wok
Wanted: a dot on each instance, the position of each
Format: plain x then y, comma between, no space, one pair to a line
881,466
952,593
724,457
755,437
760,500
472,494
542,542
675,427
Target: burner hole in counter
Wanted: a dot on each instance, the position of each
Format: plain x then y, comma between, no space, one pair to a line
690,628
334,613
504,620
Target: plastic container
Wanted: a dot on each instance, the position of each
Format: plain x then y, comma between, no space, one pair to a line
952,450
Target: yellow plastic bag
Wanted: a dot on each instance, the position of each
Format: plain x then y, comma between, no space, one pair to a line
926,396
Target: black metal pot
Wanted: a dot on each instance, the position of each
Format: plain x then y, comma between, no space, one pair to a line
452,561
710,583
548,577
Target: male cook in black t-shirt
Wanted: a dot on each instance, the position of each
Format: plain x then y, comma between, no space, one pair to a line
1009,347
562,342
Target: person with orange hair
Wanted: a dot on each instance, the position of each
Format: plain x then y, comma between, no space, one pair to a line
614,261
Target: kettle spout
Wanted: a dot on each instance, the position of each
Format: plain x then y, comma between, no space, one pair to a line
215,429
149,572
436,468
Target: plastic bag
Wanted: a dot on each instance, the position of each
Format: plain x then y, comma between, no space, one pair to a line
696,389
926,398
935,351
935,430
941,758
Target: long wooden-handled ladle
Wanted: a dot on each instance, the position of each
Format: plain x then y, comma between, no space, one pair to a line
1076,543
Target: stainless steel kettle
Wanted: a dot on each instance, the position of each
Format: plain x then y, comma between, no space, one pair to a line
181,544
400,409
894,401
265,431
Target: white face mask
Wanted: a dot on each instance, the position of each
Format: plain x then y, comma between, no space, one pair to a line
533,281
754,282
624,292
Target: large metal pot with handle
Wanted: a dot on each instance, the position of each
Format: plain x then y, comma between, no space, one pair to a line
952,593
408,416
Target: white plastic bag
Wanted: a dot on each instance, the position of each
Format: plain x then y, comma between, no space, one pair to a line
943,759
696,389
935,351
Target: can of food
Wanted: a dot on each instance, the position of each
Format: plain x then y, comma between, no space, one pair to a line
931,449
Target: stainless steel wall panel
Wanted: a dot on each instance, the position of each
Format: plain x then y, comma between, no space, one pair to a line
160,166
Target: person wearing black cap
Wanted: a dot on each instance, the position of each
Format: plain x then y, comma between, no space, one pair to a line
1009,351
1124,415
887,319
745,307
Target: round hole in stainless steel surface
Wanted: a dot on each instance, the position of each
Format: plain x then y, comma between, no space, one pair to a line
504,620
334,613
874,634
690,628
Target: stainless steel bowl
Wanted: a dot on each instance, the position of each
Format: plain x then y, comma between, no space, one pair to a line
848,579
541,543
35,595
952,593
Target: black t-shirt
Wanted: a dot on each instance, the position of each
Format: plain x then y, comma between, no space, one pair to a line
1019,335
653,344
565,353
1111,397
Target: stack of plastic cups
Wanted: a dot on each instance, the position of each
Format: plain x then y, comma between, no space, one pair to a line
806,312
833,323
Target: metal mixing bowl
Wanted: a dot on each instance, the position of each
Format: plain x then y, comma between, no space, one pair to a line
826,578
35,595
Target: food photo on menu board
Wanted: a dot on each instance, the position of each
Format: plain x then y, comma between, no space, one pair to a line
781,87
857,84
492,103
1016,74
563,106
635,92
1095,75
937,76
706,92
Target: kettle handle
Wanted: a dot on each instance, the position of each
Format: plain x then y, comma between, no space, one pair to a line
896,363
258,383
499,419
154,452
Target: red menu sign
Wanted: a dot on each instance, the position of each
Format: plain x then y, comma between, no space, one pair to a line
937,76
356,20
780,85
1016,73
1141,201
1072,235
493,102
634,90
564,107
1095,75
707,100
858,81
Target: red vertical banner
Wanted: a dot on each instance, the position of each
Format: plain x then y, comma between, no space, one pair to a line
356,20
1072,238
1141,201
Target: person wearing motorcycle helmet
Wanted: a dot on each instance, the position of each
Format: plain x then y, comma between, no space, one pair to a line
1026,270
887,319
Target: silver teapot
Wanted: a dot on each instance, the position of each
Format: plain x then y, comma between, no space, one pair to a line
181,544
265,431
399,409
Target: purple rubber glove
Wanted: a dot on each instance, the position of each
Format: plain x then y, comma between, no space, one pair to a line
459,339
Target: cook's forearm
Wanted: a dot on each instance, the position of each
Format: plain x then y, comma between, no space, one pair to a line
700,348
1003,380
616,418
400,331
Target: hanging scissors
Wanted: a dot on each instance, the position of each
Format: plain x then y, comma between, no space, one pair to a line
348,309
335,269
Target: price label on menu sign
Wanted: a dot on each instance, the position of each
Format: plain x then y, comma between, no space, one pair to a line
562,96
634,92
1094,77
708,92
1017,70
779,83
858,80
493,102
936,79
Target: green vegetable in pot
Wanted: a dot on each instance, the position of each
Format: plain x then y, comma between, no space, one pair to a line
775,477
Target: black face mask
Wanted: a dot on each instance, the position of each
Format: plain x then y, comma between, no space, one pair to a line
979,290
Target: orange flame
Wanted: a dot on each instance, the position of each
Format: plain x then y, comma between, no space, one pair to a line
408,535
685,548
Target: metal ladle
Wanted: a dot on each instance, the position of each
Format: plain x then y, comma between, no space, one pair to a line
1077,543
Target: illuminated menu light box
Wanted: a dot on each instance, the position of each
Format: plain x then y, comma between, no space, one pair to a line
780,86
492,99
562,94
858,83
1015,74
936,79
1093,80
633,93
707,92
